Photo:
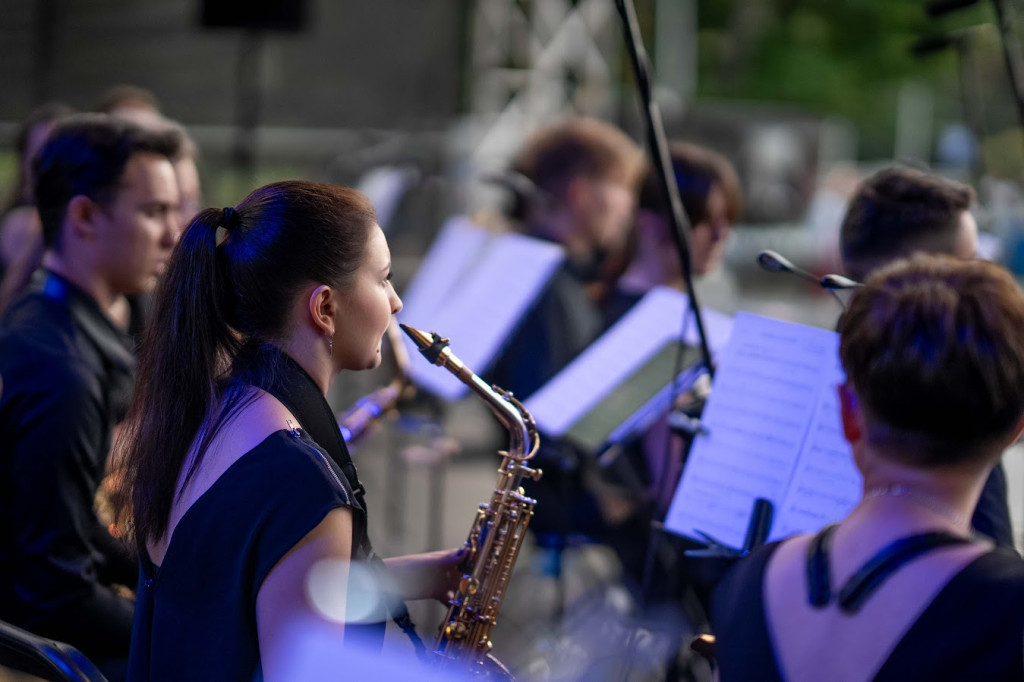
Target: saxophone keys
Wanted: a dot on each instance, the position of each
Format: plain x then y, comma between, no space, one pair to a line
469,585
456,630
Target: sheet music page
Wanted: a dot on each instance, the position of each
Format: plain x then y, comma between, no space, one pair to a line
772,423
826,484
450,255
654,321
482,311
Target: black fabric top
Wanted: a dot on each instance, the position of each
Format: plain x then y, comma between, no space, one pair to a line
972,630
195,615
557,329
67,379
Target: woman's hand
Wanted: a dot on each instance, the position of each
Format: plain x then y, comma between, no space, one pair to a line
429,575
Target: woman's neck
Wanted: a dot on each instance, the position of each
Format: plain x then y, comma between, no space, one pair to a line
916,498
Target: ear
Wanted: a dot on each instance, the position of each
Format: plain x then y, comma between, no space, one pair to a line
80,217
1019,431
851,414
323,306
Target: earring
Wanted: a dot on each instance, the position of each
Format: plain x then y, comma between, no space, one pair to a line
330,346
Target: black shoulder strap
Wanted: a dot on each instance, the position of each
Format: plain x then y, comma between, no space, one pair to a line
889,560
819,582
872,574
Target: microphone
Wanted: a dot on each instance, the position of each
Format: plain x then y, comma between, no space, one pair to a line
834,282
773,261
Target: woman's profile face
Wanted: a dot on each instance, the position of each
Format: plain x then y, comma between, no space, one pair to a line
366,307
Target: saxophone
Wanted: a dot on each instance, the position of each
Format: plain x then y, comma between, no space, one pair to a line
498,531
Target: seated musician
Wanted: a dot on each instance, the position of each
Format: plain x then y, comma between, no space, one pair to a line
933,349
108,202
237,485
584,174
709,190
899,211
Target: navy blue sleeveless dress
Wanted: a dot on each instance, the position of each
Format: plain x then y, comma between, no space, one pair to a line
195,618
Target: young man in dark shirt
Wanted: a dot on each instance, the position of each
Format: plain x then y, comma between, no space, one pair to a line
108,201
899,211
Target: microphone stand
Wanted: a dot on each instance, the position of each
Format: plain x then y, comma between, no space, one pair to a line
659,152
658,145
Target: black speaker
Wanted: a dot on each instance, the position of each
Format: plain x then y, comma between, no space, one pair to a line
271,15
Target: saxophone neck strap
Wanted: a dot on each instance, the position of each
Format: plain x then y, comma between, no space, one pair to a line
873,573
297,391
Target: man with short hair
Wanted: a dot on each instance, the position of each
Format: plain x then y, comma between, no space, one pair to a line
900,211
584,174
108,201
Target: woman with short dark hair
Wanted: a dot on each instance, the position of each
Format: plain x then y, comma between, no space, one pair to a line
933,349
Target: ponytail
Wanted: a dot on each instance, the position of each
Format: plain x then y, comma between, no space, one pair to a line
184,356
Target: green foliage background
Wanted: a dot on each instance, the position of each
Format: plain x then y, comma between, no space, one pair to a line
847,58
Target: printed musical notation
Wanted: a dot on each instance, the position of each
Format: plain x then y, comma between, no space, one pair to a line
774,431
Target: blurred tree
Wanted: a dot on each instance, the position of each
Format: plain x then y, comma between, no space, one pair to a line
833,57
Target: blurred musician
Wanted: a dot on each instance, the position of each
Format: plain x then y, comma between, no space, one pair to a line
933,349
899,211
108,200
711,197
584,174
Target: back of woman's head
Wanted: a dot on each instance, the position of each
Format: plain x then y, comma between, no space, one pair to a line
934,347
282,237
233,279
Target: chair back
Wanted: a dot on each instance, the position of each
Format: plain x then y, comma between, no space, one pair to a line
48,659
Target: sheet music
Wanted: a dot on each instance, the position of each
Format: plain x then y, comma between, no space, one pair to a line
486,301
450,255
644,330
773,432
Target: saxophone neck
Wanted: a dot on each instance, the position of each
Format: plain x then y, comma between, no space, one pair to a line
523,438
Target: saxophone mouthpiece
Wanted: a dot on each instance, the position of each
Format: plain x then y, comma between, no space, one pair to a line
431,345
421,338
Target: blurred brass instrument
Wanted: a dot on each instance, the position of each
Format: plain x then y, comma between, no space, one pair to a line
498,531
356,421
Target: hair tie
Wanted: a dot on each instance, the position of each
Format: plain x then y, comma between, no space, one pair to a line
230,219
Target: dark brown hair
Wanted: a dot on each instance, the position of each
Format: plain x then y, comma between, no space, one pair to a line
577,147
934,347
697,171
898,211
213,301
86,155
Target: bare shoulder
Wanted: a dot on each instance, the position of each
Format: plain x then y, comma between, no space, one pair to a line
260,416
